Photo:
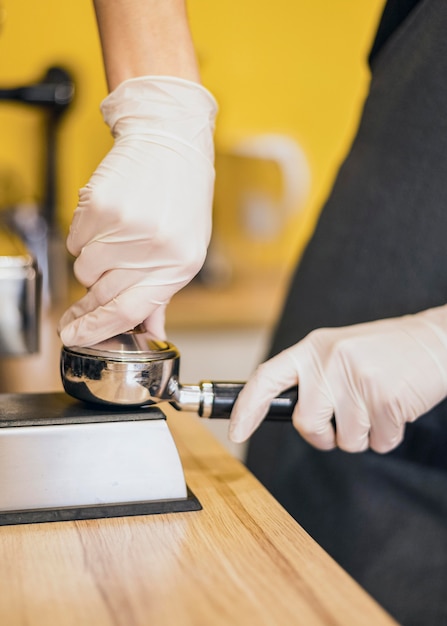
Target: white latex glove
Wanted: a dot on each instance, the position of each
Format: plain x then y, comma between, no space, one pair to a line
372,377
143,222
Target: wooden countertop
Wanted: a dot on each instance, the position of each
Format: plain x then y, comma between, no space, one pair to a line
241,560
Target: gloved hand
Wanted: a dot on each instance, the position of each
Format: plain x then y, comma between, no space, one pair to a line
143,222
372,377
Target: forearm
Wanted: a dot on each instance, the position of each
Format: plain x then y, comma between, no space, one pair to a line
145,37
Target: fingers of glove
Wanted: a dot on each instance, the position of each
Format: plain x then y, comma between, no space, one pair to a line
119,315
155,323
372,377
378,385
315,423
169,263
133,188
344,381
249,410
351,418
328,389
108,287
392,402
114,202
313,414
108,293
253,402
76,310
383,440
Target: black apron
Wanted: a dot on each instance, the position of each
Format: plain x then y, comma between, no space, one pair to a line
379,250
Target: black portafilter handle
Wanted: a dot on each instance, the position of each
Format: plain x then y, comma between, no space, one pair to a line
224,396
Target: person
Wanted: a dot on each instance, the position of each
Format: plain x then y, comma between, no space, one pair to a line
363,334
143,221
364,328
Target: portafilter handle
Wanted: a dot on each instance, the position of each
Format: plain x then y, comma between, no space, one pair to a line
134,370
212,399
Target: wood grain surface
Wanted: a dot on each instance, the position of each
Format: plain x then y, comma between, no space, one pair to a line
241,560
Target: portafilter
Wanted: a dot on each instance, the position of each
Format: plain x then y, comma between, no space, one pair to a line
134,370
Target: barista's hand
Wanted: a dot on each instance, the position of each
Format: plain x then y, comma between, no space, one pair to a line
143,222
372,377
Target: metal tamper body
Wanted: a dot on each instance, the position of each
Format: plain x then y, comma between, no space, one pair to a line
135,370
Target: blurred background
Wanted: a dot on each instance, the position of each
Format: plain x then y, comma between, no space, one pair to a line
290,77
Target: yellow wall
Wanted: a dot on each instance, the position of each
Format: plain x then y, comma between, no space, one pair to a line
296,67
289,66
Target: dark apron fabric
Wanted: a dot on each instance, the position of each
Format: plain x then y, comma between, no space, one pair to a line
379,250
394,13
